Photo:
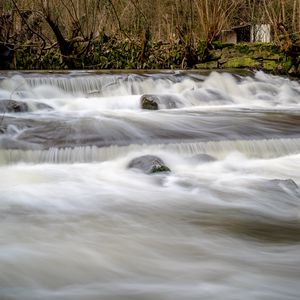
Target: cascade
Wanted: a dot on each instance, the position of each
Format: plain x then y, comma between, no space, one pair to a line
267,148
78,223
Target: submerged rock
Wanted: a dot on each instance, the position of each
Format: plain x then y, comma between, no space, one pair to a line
203,158
13,106
155,102
11,143
149,164
285,183
42,106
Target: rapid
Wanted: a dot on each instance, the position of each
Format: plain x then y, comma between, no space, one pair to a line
77,223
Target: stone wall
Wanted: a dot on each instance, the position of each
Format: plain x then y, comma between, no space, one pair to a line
260,56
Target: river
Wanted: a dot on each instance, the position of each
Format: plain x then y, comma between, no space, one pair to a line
77,223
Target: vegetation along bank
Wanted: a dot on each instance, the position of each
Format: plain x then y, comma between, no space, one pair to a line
181,34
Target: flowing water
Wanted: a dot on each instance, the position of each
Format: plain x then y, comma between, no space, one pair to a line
77,223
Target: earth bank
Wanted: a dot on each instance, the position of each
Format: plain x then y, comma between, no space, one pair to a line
113,54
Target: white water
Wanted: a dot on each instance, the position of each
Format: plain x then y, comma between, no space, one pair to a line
81,93
76,223
253,148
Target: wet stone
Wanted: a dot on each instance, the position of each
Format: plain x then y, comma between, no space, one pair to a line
149,102
149,164
42,106
13,106
164,101
203,158
285,183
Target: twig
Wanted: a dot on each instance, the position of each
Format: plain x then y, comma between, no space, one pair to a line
25,21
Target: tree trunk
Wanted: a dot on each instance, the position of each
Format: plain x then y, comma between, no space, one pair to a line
282,4
66,47
298,18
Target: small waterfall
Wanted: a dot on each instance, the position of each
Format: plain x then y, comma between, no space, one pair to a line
110,85
101,84
267,148
78,85
215,89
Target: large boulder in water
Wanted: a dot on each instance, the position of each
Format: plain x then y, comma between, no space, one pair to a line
13,106
149,164
165,101
149,102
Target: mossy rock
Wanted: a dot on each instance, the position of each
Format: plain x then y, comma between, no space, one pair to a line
149,102
266,55
241,62
243,48
215,54
220,45
149,164
161,101
268,47
208,65
269,65
158,169
228,54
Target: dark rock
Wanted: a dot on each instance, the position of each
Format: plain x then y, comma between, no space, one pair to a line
169,101
155,102
42,106
285,183
13,106
149,164
279,188
149,102
12,143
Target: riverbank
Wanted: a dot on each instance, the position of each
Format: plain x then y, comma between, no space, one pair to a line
113,54
255,56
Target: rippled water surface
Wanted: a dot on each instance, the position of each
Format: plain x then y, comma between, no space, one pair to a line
77,223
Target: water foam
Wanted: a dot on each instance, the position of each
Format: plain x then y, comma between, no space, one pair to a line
215,89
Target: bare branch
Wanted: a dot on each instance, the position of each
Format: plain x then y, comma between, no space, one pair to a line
29,27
